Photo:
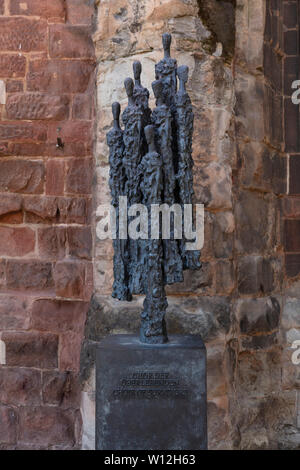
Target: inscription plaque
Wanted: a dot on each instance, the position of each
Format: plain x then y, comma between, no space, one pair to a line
151,397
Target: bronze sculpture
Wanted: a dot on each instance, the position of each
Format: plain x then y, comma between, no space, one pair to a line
152,164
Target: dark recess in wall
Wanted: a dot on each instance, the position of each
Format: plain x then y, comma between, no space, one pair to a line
219,17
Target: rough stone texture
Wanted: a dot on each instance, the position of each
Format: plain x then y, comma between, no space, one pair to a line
237,301
243,303
45,94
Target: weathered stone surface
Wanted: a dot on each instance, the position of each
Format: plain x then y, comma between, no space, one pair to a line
47,424
259,342
258,315
20,241
79,176
8,428
12,66
69,353
22,176
10,203
255,222
57,209
37,106
218,428
223,227
73,77
258,373
215,188
29,275
20,386
79,12
31,349
69,278
71,42
256,275
80,242
52,243
83,106
14,312
27,33
55,177
23,131
225,277
291,313
60,389
53,10
58,315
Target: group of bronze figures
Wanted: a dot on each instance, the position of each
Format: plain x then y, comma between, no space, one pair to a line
151,163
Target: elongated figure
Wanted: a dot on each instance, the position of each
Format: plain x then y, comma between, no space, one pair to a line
185,126
162,121
117,187
153,327
133,150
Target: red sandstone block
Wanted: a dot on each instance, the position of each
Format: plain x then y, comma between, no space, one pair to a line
8,425
59,315
12,66
50,209
14,312
42,209
10,203
22,176
10,209
69,351
25,131
2,273
14,86
31,349
29,275
80,12
16,241
83,106
292,264
71,42
1,7
53,10
15,218
79,176
70,131
19,386
80,242
47,425
31,106
52,242
58,76
55,177
291,207
23,34
69,278
292,235
61,389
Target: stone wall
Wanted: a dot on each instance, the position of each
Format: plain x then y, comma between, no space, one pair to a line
131,30
245,302
236,51
46,92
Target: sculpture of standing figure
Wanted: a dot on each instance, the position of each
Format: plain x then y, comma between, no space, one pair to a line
153,328
162,121
166,70
117,187
156,169
184,126
133,151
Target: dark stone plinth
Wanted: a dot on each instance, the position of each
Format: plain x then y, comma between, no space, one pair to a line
151,397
